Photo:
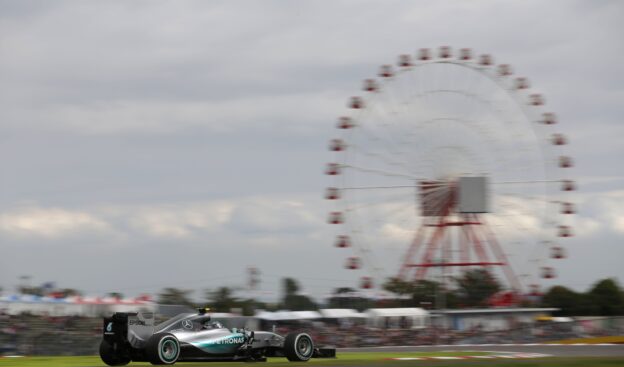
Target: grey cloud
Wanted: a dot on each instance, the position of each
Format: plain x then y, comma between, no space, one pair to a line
156,107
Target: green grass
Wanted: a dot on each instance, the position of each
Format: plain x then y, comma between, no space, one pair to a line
344,359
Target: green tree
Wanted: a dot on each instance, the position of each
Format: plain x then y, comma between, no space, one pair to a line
345,297
290,286
423,293
426,292
294,301
606,295
70,292
222,299
175,296
475,286
31,290
452,300
399,287
299,302
563,298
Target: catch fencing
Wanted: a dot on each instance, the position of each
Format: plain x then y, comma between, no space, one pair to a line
73,335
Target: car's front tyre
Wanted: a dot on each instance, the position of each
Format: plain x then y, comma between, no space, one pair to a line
113,356
298,347
162,349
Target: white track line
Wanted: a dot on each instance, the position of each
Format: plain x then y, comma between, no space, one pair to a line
508,355
490,345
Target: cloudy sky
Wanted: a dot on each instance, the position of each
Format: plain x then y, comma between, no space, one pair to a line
146,144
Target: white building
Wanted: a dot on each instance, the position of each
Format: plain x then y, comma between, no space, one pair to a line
397,318
489,319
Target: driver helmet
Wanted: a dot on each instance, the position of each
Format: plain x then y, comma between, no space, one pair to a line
213,325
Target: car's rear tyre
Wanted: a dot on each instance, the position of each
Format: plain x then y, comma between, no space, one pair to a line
113,356
162,349
298,347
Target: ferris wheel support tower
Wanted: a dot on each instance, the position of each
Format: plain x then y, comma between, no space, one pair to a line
460,207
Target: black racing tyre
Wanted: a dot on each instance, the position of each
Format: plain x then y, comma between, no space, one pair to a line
162,349
113,356
298,347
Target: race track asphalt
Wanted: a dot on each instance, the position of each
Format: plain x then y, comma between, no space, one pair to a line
558,350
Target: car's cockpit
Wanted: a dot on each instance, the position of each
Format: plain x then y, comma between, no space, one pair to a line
189,322
211,325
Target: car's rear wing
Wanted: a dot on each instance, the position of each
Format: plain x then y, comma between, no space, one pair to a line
132,327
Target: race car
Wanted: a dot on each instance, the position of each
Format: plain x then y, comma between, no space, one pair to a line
193,337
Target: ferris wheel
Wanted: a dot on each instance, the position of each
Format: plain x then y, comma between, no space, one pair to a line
446,163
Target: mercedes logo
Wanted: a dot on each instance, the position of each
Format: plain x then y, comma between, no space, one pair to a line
187,324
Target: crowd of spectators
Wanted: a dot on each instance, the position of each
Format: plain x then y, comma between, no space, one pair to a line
361,336
73,335
44,335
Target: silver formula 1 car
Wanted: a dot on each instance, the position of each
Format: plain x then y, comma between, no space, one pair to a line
193,337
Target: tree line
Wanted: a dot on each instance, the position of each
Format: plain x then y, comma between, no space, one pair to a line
224,299
604,298
473,289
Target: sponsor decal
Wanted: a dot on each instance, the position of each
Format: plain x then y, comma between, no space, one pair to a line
228,340
236,340
187,324
136,322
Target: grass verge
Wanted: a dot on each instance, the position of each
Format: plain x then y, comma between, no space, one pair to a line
597,340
